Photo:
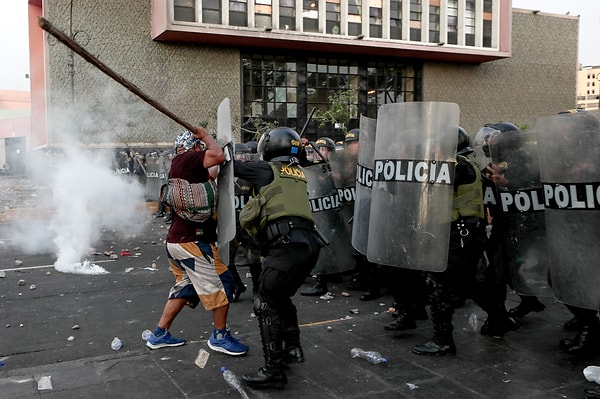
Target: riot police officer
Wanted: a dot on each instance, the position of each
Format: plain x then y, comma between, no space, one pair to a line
325,146
367,275
290,247
467,238
502,142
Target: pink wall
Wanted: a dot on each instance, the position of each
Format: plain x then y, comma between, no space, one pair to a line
37,75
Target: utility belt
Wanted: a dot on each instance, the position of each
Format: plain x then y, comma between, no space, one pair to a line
470,221
280,228
464,226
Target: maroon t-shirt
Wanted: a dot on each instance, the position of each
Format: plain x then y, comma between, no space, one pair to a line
188,166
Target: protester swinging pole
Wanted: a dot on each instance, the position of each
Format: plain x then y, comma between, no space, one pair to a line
73,45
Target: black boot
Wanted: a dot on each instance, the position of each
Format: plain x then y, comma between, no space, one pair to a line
404,319
272,330
294,355
584,343
528,304
271,375
293,350
318,288
496,325
372,293
442,311
238,290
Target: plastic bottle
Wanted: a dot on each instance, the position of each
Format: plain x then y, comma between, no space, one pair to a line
146,334
592,374
116,344
234,382
372,356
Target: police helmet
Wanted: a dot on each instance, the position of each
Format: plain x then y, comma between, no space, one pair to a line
325,142
279,144
186,141
352,135
507,136
463,146
253,146
241,148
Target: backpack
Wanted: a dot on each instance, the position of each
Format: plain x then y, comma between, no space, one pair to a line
196,202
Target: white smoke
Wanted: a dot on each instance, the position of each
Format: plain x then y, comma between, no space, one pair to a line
86,198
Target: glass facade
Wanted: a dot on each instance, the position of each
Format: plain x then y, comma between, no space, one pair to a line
285,88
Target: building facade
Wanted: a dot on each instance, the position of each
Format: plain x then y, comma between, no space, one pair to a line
588,87
277,60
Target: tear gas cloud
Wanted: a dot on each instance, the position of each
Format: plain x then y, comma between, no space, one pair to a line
87,197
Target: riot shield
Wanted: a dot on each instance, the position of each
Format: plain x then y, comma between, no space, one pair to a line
481,152
520,199
225,208
343,169
364,181
154,179
325,205
569,152
413,179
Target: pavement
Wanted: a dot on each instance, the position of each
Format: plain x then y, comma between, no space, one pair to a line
56,332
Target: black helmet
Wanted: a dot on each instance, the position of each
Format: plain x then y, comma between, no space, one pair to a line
253,145
463,146
279,144
241,148
325,142
352,135
507,136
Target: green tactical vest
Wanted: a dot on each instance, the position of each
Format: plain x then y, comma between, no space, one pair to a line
286,195
468,198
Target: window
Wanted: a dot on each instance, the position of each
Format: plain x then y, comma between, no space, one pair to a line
354,18
395,19
375,13
184,10
470,22
415,20
211,11
452,22
284,88
332,16
238,12
287,14
434,21
310,16
487,23
262,14
391,83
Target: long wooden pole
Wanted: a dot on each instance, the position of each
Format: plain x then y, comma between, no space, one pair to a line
73,45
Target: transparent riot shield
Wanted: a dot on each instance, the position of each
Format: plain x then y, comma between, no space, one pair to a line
343,170
226,209
569,152
364,181
413,178
326,211
154,180
520,198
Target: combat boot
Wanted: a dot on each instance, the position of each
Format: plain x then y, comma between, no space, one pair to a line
528,304
442,342
586,342
318,288
271,375
405,318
